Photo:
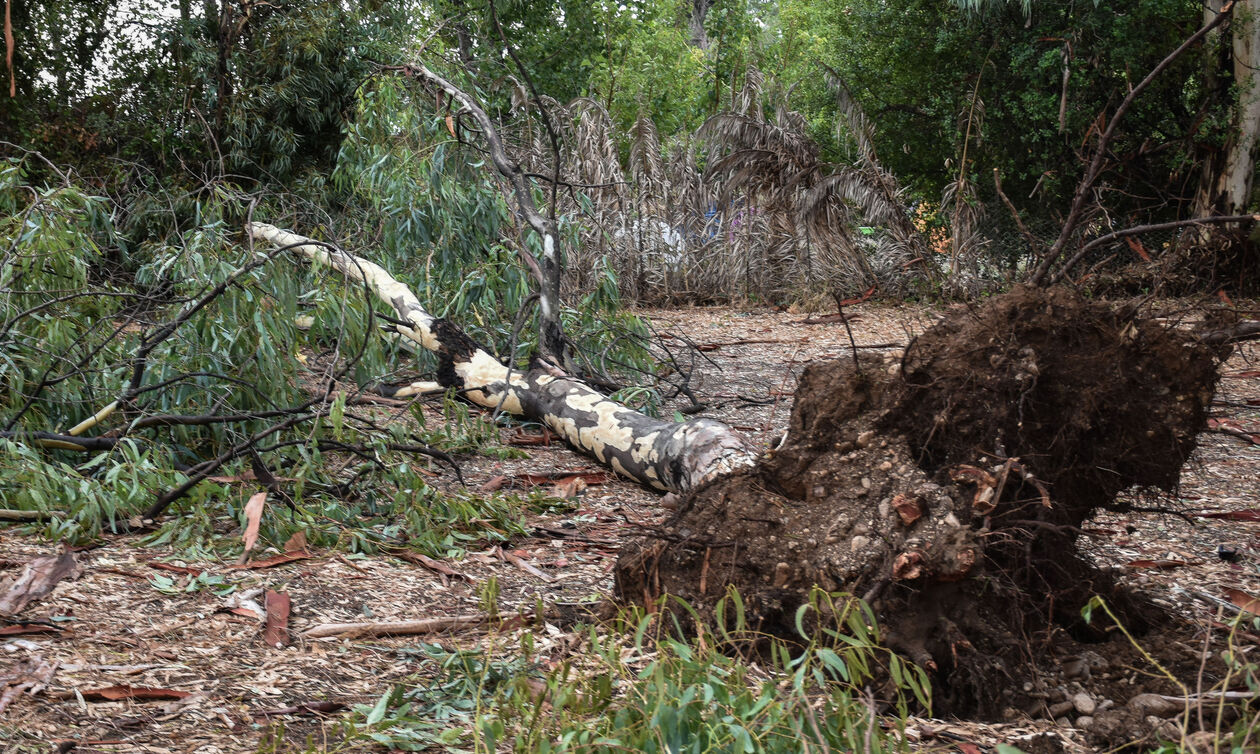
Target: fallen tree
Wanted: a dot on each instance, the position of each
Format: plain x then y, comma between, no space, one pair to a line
665,455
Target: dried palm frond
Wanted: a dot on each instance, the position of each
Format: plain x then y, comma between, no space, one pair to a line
748,100
645,149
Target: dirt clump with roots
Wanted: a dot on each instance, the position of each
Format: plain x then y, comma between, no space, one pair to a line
947,486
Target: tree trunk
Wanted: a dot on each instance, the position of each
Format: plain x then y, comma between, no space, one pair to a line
665,455
699,12
546,271
1240,162
1228,179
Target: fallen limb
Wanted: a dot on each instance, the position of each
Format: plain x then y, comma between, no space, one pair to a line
57,441
8,514
667,455
399,627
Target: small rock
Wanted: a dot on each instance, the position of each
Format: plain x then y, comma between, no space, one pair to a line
1202,742
1153,705
1084,721
1084,704
857,543
1105,705
865,438
1097,663
1169,731
1063,722
1076,669
1059,709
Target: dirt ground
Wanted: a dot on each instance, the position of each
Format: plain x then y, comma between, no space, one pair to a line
119,630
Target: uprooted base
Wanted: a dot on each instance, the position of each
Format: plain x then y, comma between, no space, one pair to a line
948,488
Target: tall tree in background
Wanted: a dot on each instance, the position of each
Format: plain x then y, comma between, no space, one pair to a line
1233,75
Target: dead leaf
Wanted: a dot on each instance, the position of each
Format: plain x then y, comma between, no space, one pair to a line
296,543
245,604
450,125
276,633
549,477
253,517
1160,564
1138,248
494,483
1243,600
436,566
568,488
141,693
38,578
18,629
524,565
1248,373
247,476
319,708
30,676
1250,514
274,560
828,318
176,568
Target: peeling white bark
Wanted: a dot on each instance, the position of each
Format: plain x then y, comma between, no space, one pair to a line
665,455
406,306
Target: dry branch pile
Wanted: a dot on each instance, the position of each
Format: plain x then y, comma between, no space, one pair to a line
948,487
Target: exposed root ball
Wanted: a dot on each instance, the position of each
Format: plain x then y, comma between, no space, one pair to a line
946,487
1092,400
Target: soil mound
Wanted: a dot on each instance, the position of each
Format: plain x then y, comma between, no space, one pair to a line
946,487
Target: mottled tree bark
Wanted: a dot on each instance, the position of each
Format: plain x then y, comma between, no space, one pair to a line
665,455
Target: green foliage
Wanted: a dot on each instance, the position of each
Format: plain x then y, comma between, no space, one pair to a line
80,300
81,502
641,687
915,67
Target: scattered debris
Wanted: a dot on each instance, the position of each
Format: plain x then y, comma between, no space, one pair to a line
138,693
30,676
276,633
253,518
556,478
271,562
37,579
401,628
